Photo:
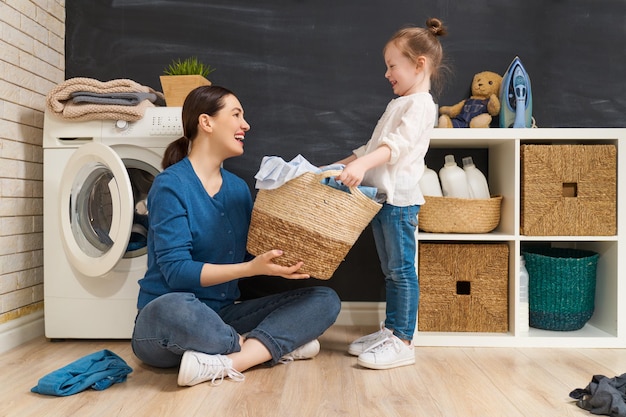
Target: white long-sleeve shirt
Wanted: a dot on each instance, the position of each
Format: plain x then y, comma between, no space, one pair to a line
405,127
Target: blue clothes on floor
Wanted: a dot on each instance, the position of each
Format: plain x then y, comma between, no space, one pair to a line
97,371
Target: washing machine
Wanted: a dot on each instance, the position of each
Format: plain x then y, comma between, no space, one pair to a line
96,177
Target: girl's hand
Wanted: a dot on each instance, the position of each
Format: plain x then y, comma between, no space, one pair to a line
352,175
263,265
355,170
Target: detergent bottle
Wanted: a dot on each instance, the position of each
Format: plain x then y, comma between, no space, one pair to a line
453,179
429,183
477,183
523,296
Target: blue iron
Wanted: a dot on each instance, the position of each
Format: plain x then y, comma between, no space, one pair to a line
516,99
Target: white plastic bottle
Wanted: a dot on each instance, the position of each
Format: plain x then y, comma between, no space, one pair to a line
476,181
524,314
453,179
429,183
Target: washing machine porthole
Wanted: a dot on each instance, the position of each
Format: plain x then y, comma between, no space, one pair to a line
92,209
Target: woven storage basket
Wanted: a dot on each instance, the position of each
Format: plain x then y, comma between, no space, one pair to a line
463,287
568,190
561,288
309,222
459,215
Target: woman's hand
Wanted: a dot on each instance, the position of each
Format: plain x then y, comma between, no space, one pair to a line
263,265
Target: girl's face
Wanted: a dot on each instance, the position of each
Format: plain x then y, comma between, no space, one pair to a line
229,127
402,73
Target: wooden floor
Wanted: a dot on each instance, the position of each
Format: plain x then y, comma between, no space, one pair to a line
450,382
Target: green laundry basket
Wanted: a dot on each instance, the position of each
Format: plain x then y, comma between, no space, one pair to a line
561,287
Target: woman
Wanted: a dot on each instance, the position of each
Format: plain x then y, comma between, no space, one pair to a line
199,217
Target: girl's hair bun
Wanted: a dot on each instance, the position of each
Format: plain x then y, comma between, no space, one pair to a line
436,27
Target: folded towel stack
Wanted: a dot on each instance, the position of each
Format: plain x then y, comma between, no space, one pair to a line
80,99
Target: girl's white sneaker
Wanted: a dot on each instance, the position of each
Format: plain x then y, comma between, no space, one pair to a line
387,354
362,344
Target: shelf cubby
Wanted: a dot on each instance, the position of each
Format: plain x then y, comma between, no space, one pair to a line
607,326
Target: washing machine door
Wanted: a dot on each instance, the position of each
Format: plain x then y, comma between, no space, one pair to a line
96,209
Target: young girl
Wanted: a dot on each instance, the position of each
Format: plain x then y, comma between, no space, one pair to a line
393,161
199,220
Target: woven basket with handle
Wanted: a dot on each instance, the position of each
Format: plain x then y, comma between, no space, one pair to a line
309,221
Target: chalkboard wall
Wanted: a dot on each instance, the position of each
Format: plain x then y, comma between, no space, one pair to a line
309,73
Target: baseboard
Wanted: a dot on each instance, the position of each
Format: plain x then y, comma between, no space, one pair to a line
16,332
26,328
361,313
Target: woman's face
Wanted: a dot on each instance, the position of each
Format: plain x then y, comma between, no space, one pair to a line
229,126
401,72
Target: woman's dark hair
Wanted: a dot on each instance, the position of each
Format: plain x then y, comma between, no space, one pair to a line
207,99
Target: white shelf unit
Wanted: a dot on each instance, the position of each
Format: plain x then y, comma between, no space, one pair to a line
607,326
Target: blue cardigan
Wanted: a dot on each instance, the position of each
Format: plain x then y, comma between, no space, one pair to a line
189,228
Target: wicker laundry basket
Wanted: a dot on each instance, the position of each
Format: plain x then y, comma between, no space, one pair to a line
561,287
309,222
459,215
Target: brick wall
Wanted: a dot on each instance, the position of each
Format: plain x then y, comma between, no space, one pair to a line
32,61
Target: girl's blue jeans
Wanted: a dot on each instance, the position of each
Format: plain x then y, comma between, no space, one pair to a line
173,323
394,233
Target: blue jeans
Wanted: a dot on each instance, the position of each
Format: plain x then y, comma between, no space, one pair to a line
394,233
176,322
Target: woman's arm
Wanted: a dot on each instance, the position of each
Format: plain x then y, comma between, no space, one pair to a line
174,242
213,274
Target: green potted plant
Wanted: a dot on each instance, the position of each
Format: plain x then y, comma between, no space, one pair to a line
182,76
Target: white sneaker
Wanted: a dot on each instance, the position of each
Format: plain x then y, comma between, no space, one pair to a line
196,367
306,351
361,344
387,354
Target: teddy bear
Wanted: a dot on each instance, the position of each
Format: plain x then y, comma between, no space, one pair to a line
476,111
